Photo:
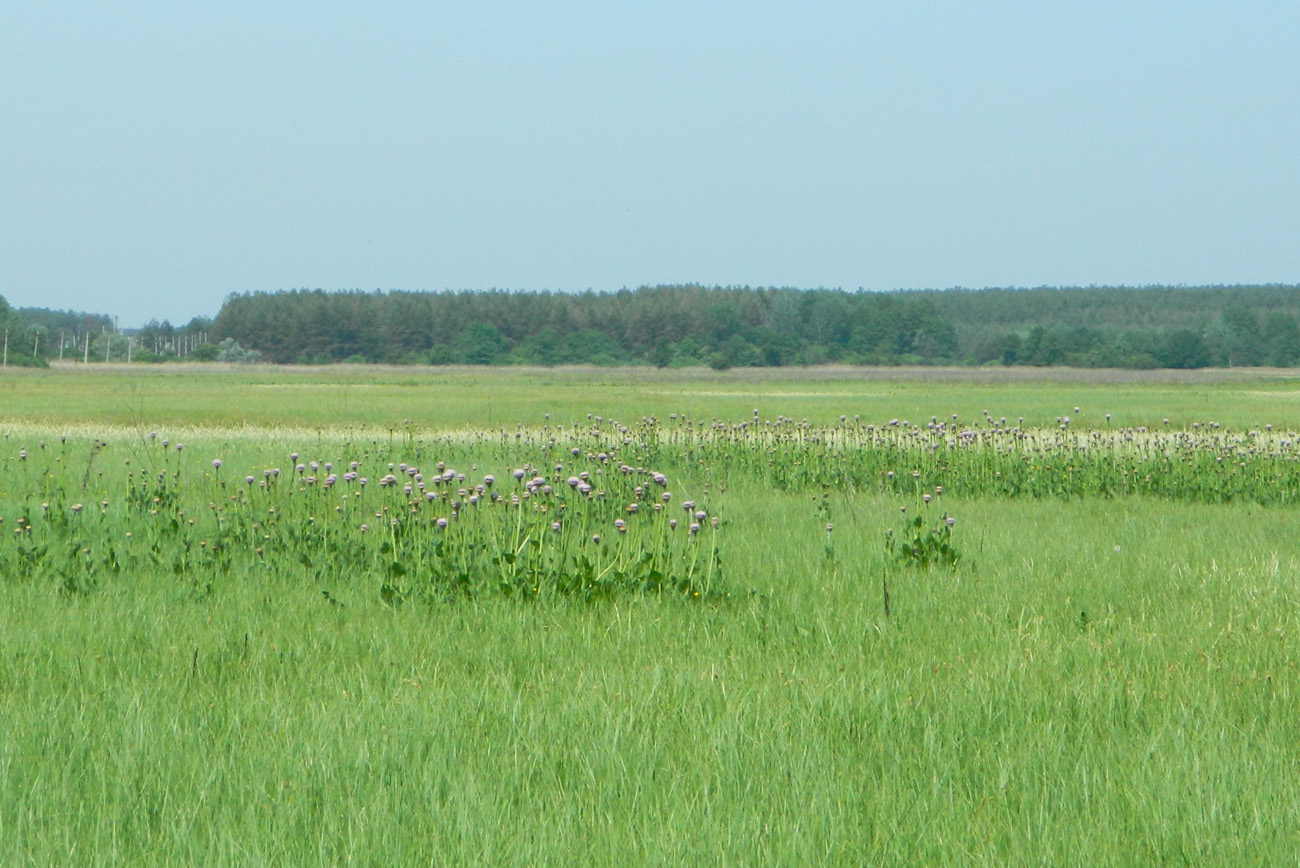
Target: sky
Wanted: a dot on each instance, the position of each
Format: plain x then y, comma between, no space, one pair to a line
156,157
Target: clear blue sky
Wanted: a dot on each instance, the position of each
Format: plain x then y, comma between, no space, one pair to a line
155,157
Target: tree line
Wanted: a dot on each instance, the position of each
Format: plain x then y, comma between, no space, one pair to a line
665,325
683,325
723,327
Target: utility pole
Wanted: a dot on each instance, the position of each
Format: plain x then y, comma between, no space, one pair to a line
6,359
60,345
86,360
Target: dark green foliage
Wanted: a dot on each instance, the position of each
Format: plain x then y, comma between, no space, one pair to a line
664,326
671,326
1183,348
923,544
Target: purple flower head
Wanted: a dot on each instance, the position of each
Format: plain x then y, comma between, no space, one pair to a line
441,523
216,463
293,456
517,473
488,480
248,479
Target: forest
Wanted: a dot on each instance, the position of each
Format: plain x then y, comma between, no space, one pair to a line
686,325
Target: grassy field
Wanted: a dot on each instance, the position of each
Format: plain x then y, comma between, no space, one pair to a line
201,669
437,398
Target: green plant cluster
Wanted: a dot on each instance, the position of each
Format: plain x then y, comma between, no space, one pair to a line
582,525
923,544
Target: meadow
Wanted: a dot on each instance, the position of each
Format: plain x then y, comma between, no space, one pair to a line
392,616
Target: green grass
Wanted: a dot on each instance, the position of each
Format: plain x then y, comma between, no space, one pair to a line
436,398
1099,682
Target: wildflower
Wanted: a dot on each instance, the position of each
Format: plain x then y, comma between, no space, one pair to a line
216,463
441,523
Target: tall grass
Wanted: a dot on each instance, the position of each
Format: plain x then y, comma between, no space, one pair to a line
1097,680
